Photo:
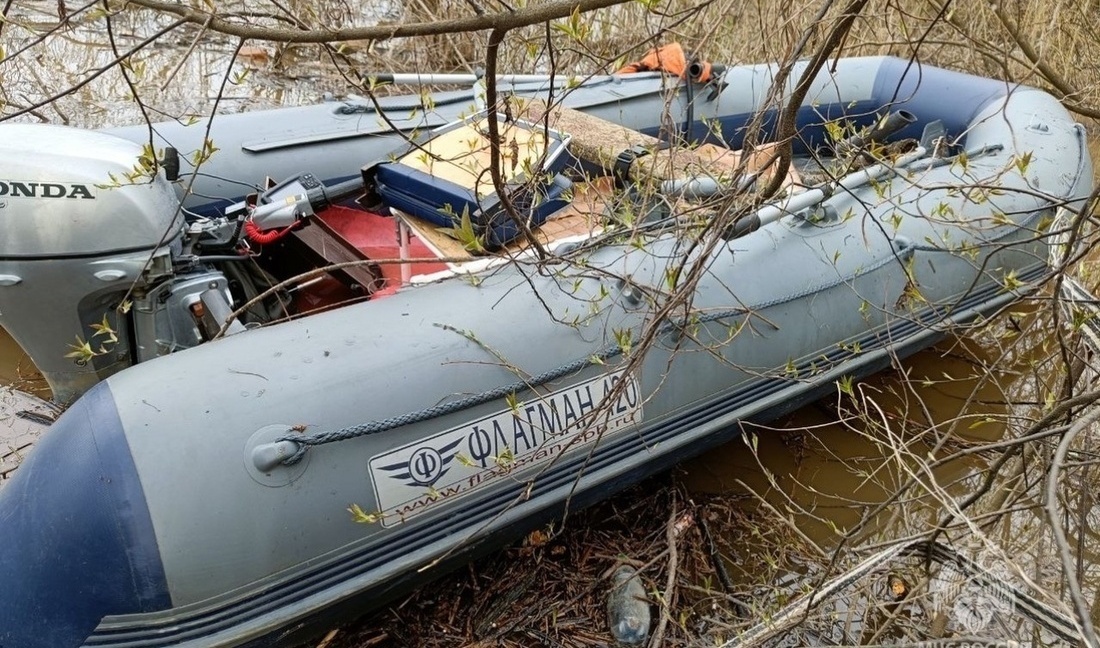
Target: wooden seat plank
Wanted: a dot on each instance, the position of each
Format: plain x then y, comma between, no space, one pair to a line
330,246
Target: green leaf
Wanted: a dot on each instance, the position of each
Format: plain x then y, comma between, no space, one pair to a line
1011,281
753,441
834,131
1022,162
205,153
624,338
82,352
463,231
104,328
359,516
574,27
505,458
962,161
672,277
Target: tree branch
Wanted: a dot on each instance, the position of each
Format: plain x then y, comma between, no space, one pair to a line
503,20
493,105
789,116
1088,633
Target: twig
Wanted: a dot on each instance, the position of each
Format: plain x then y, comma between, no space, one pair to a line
789,116
329,638
669,594
126,74
4,13
1088,633
784,519
1061,87
186,55
97,73
715,556
493,105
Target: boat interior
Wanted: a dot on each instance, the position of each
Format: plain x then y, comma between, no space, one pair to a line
615,180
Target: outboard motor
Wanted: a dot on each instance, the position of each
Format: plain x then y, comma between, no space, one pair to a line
99,269
85,232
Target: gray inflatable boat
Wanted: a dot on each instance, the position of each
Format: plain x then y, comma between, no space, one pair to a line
210,497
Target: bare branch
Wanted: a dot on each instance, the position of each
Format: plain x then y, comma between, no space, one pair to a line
1088,632
504,20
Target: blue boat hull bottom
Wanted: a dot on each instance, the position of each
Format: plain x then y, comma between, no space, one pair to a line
162,508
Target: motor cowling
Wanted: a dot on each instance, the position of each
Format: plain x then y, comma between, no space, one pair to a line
82,224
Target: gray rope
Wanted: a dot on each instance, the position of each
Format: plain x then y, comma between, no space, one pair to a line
303,443
374,427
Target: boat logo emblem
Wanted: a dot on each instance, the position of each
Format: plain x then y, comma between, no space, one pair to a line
525,436
425,466
28,189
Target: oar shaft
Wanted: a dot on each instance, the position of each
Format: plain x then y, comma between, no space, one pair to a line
791,204
414,78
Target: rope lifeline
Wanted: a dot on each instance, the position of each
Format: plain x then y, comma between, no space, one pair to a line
374,427
610,351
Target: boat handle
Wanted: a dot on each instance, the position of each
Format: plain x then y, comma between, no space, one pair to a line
269,456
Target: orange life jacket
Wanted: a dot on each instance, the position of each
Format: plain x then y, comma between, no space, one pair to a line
671,59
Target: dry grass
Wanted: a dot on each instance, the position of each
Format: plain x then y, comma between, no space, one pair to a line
982,38
551,589
972,36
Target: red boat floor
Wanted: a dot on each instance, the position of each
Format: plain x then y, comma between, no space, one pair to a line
376,237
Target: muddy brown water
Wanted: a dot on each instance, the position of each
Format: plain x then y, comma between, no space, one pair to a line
17,370
830,464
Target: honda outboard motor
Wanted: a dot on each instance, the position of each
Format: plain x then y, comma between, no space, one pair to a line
83,231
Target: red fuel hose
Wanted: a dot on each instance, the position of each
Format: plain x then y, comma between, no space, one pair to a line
254,234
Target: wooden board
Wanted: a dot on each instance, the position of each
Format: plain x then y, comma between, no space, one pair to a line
455,155
600,142
582,217
760,159
330,247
